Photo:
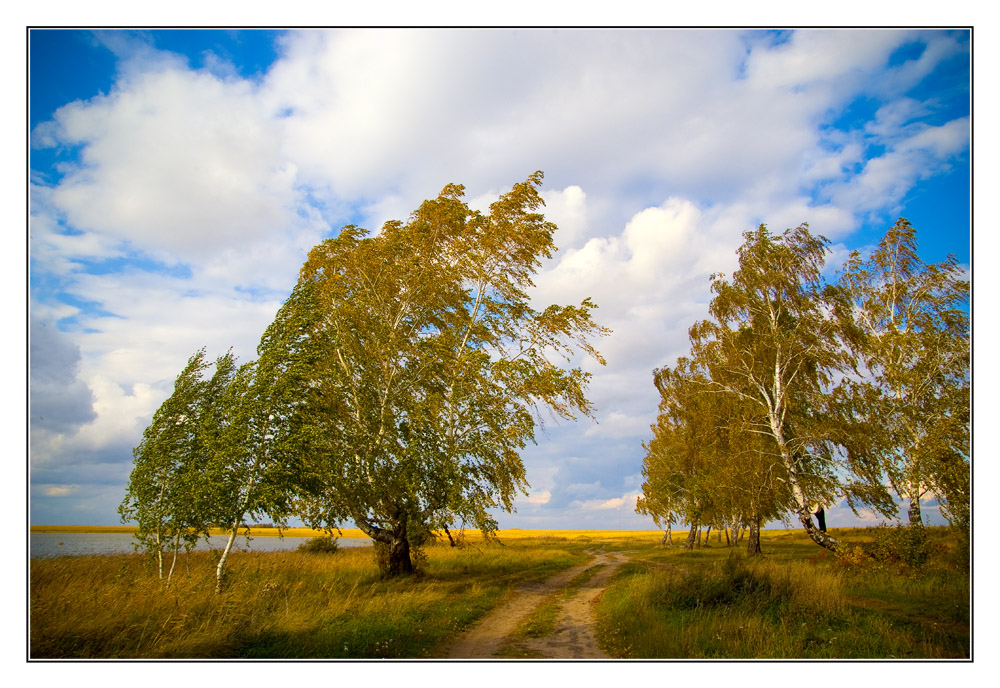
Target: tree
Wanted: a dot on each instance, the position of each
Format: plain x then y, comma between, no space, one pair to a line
705,463
162,492
775,342
678,466
253,460
915,356
419,368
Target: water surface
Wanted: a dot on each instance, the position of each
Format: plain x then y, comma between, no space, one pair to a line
79,544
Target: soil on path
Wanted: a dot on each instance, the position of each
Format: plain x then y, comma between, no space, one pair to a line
574,636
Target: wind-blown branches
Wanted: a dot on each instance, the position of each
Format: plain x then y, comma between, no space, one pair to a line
833,390
916,357
424,367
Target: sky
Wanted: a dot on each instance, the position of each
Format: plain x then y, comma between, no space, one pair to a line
178,178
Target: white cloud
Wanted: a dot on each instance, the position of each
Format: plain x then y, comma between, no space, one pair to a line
539,497
568,210
615,503
176,163
885,180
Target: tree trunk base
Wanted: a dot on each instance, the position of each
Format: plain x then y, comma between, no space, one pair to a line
753,540
394,558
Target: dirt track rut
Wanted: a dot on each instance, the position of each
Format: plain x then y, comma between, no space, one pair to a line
573,637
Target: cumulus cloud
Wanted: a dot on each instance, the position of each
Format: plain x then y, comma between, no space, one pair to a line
174,161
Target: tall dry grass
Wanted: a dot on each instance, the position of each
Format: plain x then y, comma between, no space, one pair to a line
275,604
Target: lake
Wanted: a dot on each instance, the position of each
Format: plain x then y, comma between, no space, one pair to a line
79,544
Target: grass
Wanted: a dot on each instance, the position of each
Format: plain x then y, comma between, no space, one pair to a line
276,604
795,602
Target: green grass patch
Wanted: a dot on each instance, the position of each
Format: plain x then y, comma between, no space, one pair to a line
796,602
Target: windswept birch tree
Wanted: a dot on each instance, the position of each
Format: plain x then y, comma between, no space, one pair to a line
776,342
915,356
421,368
162,491
254,461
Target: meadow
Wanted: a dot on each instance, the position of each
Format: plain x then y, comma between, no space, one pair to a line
797,601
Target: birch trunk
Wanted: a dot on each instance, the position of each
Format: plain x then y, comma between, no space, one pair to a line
396,543
221,568
802,510
173,563
692,533
753,540
914,511
159,554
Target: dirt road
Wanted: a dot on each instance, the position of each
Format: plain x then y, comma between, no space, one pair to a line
573,637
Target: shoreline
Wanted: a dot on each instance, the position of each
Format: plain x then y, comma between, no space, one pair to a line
254,532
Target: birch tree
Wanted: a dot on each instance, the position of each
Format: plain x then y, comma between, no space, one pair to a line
422,367
254,462
162,491
776,342
916,356
706,464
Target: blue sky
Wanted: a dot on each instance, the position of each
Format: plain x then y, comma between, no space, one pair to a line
179,177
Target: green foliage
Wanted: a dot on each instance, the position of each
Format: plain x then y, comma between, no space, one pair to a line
798,393
164,494
320,545
412,367
913,400
889,548
213,454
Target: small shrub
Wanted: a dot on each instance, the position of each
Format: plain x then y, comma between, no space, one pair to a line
906,546
326,544
903,544
853,557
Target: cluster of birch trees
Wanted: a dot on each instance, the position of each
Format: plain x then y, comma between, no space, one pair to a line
798,393
394,389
